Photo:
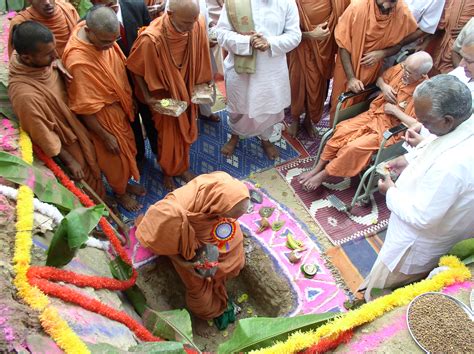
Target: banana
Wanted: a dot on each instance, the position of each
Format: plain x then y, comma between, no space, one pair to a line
293,244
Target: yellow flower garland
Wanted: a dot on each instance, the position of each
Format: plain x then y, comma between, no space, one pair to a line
298,341
52,323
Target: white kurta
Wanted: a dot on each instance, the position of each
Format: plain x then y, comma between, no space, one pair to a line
432,209
427,13
268,90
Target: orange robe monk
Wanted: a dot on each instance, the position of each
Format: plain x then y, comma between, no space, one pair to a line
183,221
100,87
311,64
62,23
456,14
172,63
363,29
39,100
355,140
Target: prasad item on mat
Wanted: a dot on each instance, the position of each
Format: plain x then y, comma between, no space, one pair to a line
203,94
170,107
255,197
294,257
440,323
207,257
266,212
309,270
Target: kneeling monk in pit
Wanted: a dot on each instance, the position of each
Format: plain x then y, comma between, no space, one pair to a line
203,212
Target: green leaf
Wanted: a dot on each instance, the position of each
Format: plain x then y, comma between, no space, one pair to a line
171,325
463,249
72,233
277,225
122,271
260,332
468,260
44,184
81,222
159,347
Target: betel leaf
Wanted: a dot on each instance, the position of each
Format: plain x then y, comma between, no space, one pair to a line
44,184
260,332
72,233
171,325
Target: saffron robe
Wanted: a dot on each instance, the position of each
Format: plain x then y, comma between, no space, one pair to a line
62,23
456,14
39,100
311,64
100,87
355,140
172,63
183,221
361,29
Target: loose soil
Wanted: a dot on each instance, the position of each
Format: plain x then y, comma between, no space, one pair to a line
17,320
269,295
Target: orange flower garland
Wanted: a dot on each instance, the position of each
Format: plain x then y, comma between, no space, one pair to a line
42,276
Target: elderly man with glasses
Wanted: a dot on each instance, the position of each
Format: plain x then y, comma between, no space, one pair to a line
354,141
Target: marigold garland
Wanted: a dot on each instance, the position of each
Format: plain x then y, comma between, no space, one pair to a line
52,323
368,312
42,276
327,344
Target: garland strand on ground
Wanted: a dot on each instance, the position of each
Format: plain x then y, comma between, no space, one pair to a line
43,277
50,320
368,312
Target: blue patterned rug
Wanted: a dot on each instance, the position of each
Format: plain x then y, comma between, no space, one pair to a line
206,157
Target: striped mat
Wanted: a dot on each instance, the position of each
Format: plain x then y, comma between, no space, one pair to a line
338,226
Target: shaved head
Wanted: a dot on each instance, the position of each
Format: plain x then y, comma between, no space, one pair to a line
183,14
183,5
421,62
102,19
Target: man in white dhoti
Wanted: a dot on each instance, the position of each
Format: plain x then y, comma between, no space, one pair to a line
257,34
432,202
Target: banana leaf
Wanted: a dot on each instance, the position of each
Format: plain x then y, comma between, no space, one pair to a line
122,271
72,234
259,332
463,249
171,325
44,185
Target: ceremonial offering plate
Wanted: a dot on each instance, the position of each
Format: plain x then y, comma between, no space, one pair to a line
309,270
170,107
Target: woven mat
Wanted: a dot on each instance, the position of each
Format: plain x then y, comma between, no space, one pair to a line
339,227
355,259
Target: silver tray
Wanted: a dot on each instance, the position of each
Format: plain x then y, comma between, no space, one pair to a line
460,303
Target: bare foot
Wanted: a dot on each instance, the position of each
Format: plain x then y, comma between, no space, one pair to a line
315,182
188,176
169,183
270,150
126,201
294,127
202,328
308,126
229,147
302,178
136,189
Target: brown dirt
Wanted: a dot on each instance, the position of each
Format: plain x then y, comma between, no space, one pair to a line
17,320
268,294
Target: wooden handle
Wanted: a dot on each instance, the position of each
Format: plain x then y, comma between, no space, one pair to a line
121,225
